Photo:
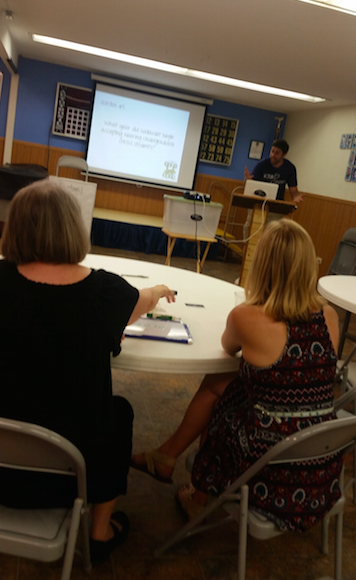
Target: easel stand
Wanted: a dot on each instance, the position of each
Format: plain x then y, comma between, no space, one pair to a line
260,212
172,240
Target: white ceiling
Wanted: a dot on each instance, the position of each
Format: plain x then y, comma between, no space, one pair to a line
283,43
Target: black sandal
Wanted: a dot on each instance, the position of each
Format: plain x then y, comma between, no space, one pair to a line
101,551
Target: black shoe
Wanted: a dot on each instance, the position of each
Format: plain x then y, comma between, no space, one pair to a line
101,551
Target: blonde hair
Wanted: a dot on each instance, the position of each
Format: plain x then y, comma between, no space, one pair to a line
44,225
283,274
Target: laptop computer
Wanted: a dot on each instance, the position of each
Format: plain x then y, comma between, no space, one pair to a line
261,189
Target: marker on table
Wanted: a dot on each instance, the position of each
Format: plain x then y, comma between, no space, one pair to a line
133,276
161,316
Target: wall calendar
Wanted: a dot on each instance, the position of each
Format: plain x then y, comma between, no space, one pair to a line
218,140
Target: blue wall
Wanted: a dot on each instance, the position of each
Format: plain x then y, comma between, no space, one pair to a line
36,98
254,125
35,109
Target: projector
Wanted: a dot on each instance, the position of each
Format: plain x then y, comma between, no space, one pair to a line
194,195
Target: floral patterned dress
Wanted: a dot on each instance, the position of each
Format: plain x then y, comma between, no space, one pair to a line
299,382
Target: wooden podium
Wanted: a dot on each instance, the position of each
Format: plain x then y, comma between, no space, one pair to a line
259,217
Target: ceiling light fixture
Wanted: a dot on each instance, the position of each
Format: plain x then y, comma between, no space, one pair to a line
347,6
110,54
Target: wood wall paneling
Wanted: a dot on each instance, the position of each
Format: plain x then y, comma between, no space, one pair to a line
326,219
2,146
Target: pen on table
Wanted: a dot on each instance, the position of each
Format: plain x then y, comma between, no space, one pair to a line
133,276
162,316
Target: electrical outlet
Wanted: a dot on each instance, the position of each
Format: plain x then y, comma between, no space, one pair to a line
319,260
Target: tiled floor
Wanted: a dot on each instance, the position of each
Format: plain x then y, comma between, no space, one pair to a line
159,402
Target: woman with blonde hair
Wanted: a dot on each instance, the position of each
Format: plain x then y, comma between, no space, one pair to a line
288,340
60,322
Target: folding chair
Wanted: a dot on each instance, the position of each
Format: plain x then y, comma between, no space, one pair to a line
44,534
318,441
348,395
72,161
344,263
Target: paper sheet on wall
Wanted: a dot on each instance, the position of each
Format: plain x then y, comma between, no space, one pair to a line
84,192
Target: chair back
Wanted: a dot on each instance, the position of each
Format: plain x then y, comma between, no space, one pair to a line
349,236
28,446
318,441
74,162
347,397
344,261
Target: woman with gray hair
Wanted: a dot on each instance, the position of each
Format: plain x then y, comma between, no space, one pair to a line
60,322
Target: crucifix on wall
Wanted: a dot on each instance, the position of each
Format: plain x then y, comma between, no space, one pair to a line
279,122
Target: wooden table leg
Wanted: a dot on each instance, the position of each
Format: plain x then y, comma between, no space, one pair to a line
198,257
172,237
202,261
170,246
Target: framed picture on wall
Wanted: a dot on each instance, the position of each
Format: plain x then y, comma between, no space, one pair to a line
353,141
348,173
352,158
71,111
353,174
256,150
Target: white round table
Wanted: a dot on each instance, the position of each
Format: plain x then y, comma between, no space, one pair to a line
340,290
202,302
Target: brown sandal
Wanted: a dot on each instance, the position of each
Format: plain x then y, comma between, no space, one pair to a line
149,467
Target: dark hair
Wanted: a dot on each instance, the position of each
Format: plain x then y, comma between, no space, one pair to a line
282,145
44,224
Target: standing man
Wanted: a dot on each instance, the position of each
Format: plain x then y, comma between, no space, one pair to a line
275,169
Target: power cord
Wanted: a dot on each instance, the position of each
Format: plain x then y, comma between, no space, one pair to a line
213,234
259,229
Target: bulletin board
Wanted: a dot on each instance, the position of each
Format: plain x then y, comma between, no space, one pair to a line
218,140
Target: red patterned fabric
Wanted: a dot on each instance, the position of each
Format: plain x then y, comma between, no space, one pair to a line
294,497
